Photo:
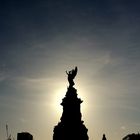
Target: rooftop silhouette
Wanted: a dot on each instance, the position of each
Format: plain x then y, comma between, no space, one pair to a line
24,136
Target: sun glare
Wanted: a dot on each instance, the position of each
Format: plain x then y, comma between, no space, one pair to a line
82,95
56,101
60,94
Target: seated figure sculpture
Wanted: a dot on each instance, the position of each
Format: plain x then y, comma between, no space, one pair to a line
71,75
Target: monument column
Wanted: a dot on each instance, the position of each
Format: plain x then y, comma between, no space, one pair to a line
71,126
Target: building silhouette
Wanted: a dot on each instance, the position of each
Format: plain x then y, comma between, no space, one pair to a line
71,126
24,136
132,137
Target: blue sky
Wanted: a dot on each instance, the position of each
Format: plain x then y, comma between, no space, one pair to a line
40,40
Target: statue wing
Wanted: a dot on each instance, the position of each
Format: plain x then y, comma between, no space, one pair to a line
75,72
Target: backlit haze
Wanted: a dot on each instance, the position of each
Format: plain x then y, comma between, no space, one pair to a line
41,39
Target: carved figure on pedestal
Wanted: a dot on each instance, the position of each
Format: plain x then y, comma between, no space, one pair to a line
71,75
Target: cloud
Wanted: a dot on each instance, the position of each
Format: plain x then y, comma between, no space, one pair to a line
123,128
36,82
3,76
23,120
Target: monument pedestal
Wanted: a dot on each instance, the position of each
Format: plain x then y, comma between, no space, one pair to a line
71,126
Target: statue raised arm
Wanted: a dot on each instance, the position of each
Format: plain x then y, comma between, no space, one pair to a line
71,75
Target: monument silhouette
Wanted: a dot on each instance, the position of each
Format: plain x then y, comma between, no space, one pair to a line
71,126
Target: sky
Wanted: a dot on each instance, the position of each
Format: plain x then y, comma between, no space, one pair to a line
41,39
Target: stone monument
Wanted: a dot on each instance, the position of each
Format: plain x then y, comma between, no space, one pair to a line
71,127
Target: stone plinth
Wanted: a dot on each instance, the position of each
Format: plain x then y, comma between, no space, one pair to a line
71,126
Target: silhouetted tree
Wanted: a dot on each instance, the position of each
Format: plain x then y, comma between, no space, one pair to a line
132,137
